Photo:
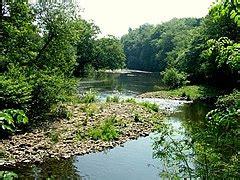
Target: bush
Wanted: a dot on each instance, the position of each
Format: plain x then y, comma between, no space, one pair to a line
12,120
131,100
106,131
15,92
89,97
48,90
8,175
115,99
150,106
173,78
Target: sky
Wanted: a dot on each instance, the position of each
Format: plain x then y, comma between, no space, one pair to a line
114,17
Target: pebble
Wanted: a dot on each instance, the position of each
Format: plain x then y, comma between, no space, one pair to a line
37,145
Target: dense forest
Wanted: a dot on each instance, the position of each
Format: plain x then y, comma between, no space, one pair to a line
43,46
205,50
46,48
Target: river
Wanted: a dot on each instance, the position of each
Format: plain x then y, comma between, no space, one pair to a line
134,159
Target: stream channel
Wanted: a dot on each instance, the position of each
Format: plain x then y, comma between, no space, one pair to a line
134,159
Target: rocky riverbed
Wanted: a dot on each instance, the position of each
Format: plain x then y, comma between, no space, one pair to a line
63,138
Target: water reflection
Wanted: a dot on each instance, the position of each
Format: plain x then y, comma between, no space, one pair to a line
174,144
53,169
128,83
134,160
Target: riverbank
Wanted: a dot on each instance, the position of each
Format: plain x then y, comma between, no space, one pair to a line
190,93
75,136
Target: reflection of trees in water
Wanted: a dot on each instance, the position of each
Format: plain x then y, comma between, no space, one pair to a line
52,169
199,150
175,151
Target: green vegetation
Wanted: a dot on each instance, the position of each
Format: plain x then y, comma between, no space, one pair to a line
43,46
173,79
90,109
131,100
106,130
206,49
12,120
188,92
212,145
151,106
54,136
8,175
89,97
115,99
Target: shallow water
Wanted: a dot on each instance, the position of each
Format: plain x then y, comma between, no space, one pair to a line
133,160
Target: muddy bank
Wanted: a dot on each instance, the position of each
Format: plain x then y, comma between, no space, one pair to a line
67,137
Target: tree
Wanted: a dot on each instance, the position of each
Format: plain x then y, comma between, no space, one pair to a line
109,54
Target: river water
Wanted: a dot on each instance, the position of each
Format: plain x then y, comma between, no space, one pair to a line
134,159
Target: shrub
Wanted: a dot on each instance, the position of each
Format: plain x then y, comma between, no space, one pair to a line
61,111
150,106
12,120
173,78
15,92
49,90
8,175
106,131
131,100
89,97
90,109
54,136
115,99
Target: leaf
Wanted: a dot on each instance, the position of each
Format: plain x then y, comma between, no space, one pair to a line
25,120
8,118
19,118
6,127
233,14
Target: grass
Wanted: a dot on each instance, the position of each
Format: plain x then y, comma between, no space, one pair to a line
89,97
107,130
188,92
54,136
131,100
115,99
151,106
90,109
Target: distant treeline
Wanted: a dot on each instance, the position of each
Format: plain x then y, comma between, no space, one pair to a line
207,49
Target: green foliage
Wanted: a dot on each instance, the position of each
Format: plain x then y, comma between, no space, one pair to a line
173,79
175,152
12,120
115,99
90,109
54,136
110,54
193,92
15,90
131,100
224,52
212,145
206,49
148,47
42,45
61,111
89,97
150,106
106,130
8,175
38,56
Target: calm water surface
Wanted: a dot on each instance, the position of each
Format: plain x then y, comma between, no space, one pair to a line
134,160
